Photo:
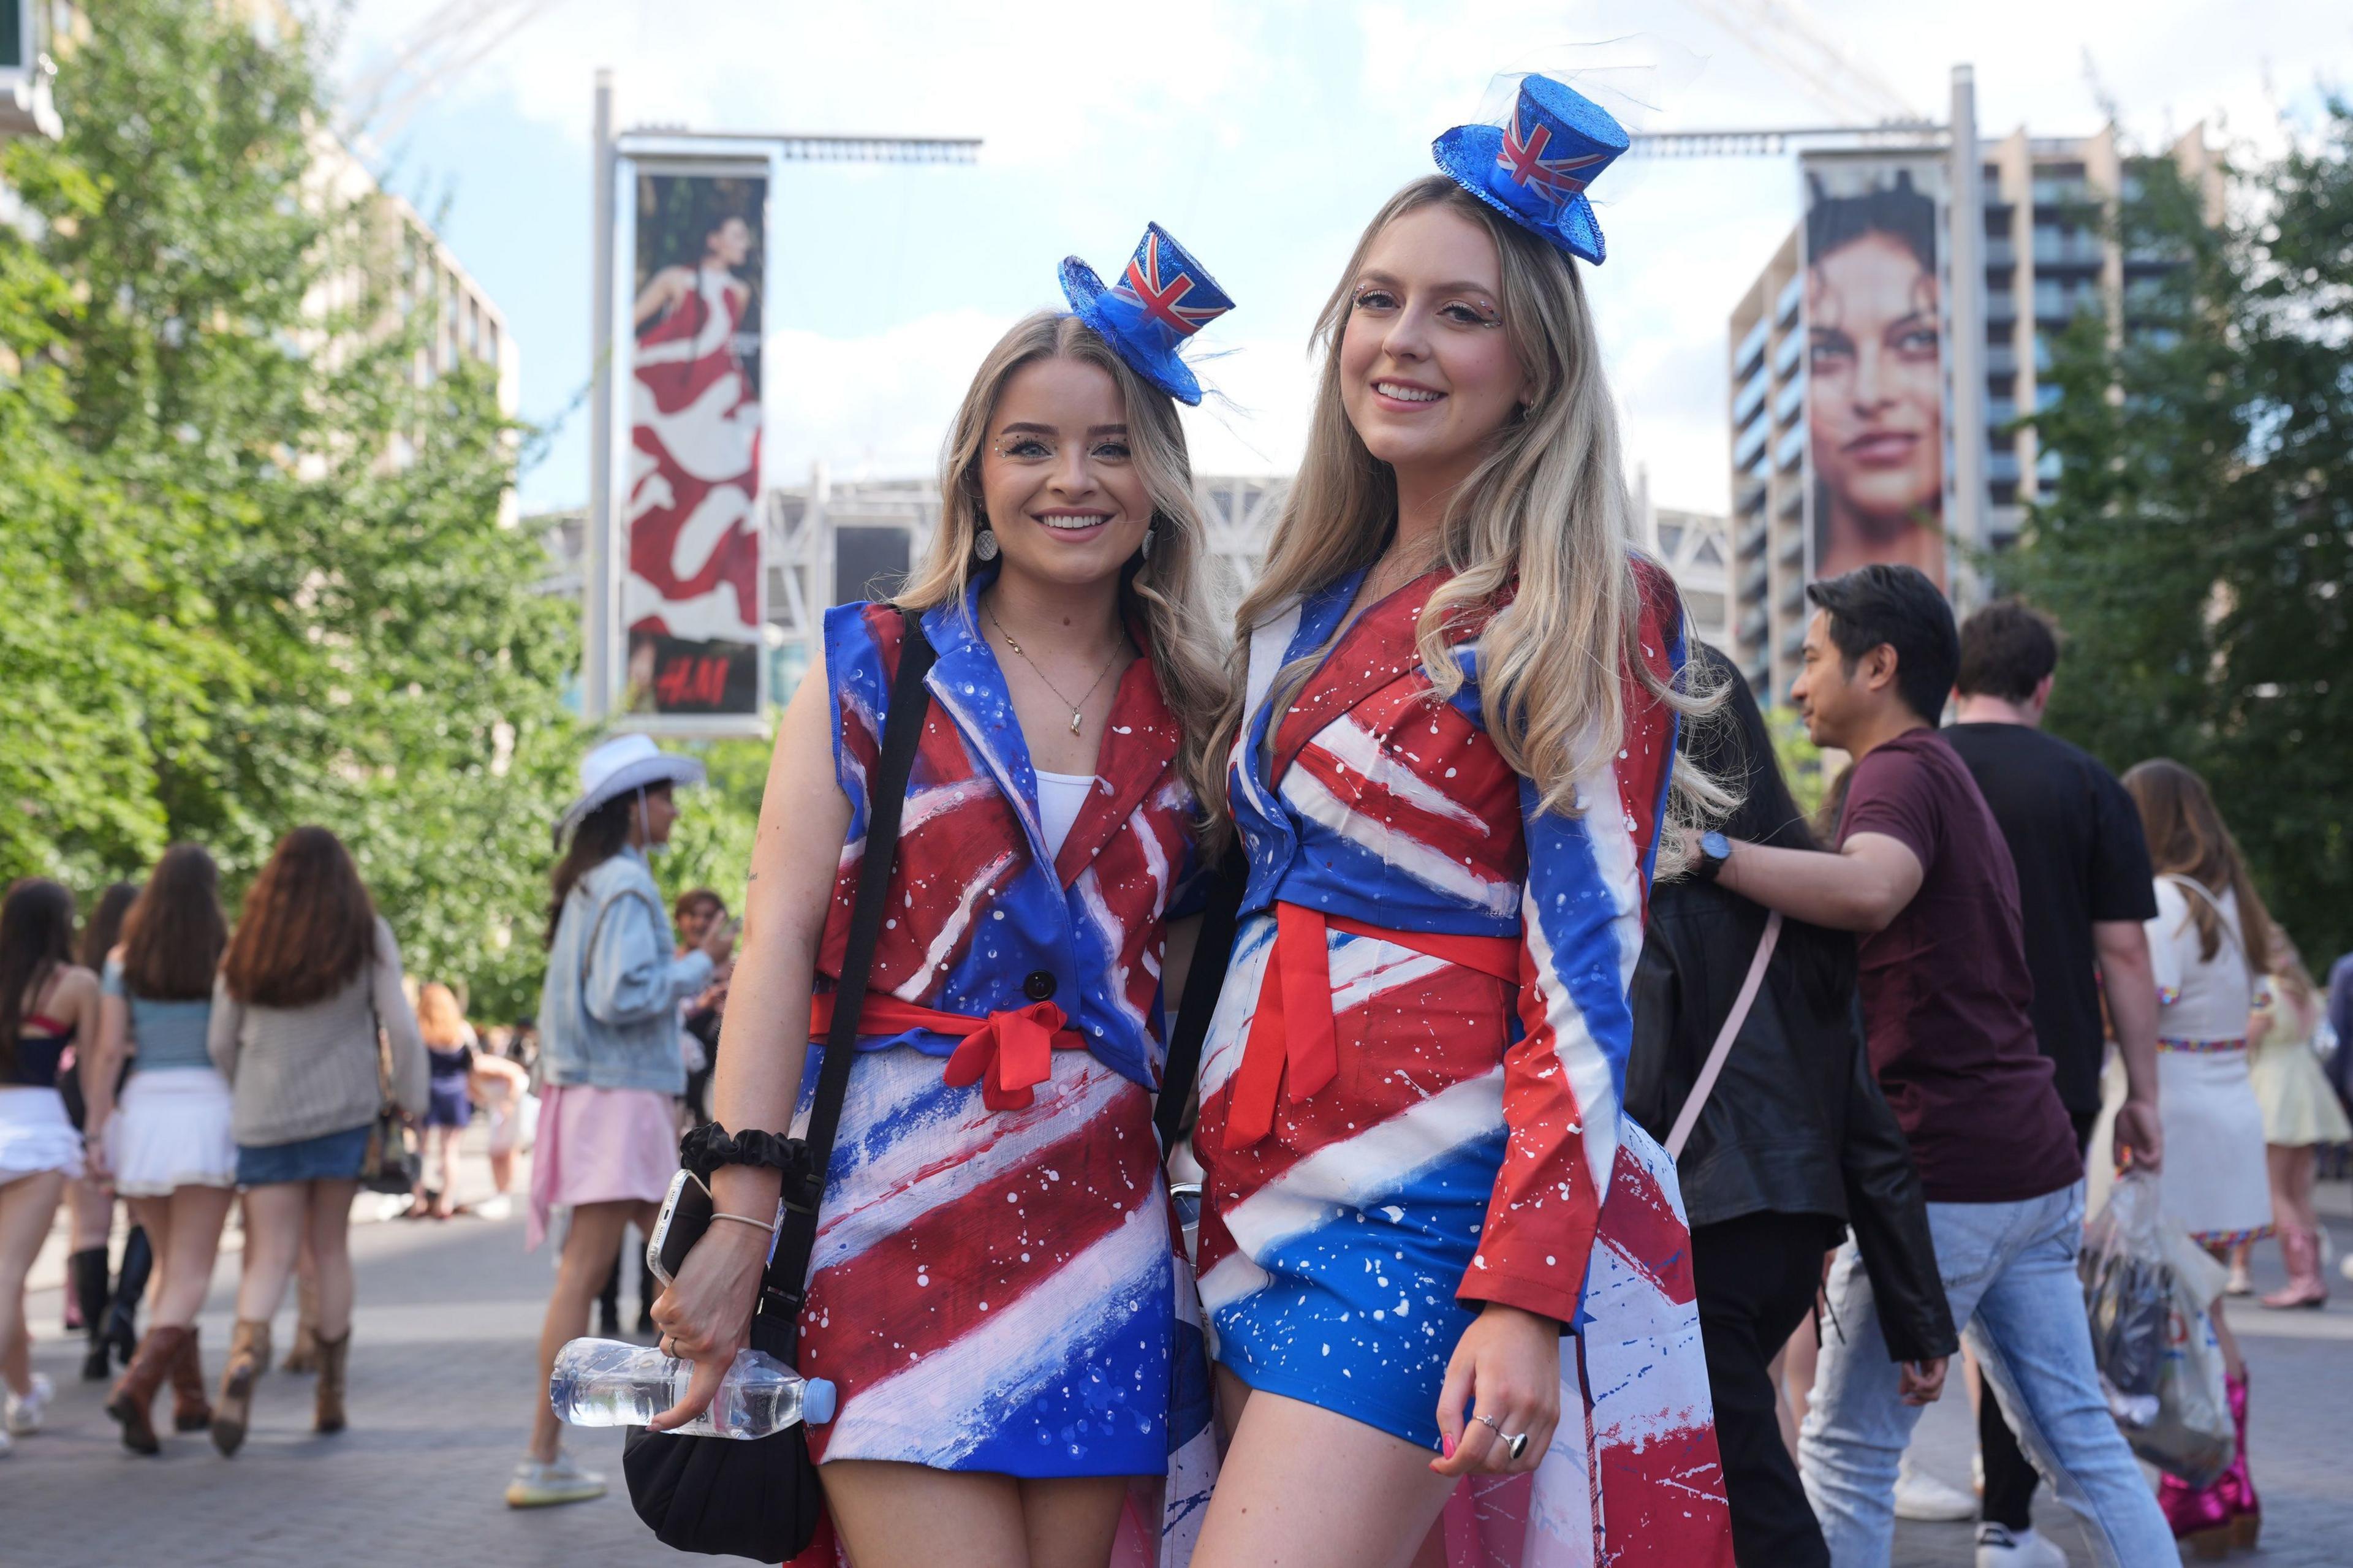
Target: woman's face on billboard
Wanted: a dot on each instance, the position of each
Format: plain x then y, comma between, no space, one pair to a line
1874,392
731,242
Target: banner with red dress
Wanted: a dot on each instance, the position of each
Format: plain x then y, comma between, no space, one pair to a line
688,492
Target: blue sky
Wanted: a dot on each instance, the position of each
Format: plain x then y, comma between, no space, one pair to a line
1262,132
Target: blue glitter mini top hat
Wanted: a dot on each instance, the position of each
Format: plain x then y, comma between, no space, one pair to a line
1535,170
1162,299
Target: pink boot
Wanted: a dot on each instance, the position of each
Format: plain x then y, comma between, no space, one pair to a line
2245,1509
2301,1250
2198,1515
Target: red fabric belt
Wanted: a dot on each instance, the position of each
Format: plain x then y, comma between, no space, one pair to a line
1298,986
1007,1054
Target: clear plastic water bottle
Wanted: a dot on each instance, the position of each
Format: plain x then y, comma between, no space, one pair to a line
607,1382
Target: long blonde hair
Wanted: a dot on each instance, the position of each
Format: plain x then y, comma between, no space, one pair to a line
1170,590
439,1019
1544,519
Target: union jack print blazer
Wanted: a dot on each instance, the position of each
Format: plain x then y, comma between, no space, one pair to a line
982,919
1369,799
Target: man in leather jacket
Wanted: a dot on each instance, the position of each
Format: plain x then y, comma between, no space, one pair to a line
1795,1142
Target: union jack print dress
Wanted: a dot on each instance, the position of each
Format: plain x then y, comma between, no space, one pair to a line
1411,1090
995,1285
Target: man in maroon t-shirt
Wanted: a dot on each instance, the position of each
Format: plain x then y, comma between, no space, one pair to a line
1924,874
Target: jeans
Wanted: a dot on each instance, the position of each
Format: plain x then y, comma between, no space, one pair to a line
2009,1273
2009,1480
1755,1276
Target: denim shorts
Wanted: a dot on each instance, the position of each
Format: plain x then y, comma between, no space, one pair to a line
329,1157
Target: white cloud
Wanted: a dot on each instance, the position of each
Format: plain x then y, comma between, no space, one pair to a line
874,407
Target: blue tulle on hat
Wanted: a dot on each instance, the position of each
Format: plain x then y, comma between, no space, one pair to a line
1535,169
1159,303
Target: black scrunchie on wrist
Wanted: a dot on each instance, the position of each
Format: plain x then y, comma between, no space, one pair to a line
709,1146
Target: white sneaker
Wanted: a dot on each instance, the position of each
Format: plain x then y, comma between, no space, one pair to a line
25,1413
496,1207
1998,1547
1923,1498
561,1480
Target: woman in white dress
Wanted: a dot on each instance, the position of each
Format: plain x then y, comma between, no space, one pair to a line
2300,1113
2210,925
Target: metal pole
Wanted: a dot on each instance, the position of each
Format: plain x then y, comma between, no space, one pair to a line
596,622
1964,245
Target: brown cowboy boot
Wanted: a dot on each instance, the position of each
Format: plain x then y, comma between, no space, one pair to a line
134,1394
328,1417
190,1411
249,1353
304,1356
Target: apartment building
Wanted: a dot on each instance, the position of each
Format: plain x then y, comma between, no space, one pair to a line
2047,258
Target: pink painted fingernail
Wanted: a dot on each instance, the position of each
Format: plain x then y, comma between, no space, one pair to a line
1446,1446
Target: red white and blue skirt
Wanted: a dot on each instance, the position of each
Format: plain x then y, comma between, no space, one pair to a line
993,1289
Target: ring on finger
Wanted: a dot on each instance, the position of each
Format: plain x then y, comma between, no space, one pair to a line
1514,1444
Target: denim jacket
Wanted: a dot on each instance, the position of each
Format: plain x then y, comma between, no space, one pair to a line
608,1014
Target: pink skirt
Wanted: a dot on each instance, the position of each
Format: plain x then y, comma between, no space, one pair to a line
600,1146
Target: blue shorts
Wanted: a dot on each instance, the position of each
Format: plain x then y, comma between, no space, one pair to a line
329,1157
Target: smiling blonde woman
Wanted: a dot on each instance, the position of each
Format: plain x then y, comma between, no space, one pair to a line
994,1292
1438,1260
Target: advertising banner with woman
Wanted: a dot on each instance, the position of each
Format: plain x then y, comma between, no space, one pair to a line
688,488
1874,363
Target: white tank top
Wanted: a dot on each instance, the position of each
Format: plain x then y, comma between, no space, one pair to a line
1059,796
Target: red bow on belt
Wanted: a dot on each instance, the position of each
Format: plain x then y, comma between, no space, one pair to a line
1293,1026
1007,1054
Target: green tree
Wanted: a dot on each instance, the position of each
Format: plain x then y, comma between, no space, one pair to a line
296,523
712,845
2198,546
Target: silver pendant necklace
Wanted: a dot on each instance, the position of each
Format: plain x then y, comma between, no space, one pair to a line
1077,709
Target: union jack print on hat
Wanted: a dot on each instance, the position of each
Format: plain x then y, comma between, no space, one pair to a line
1534,169
1162,299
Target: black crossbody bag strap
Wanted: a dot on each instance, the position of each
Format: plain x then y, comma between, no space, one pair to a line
1203,981
902,729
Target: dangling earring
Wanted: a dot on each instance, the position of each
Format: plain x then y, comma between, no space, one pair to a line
985,546
1145,549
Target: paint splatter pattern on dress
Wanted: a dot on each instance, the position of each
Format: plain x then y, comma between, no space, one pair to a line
1470,1133
995,1289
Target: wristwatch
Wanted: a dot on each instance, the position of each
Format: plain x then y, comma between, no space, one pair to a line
1714,850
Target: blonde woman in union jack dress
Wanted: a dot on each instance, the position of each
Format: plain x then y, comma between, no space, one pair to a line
1448,1282
996,1290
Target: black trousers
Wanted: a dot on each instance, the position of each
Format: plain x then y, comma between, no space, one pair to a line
2010,1476
1757,1277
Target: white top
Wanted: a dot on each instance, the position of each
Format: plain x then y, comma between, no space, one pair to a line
1059,796
2198,998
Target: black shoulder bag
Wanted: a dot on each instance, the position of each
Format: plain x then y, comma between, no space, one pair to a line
760,1500
1212,950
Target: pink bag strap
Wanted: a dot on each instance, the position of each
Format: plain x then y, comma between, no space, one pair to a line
1714,1069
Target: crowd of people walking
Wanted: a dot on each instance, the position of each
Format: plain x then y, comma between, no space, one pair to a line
1596,1147
189,1068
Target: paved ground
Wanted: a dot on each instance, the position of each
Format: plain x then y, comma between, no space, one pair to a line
443,1375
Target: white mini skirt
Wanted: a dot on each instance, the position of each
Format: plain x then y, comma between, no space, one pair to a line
172,1130
36,1135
